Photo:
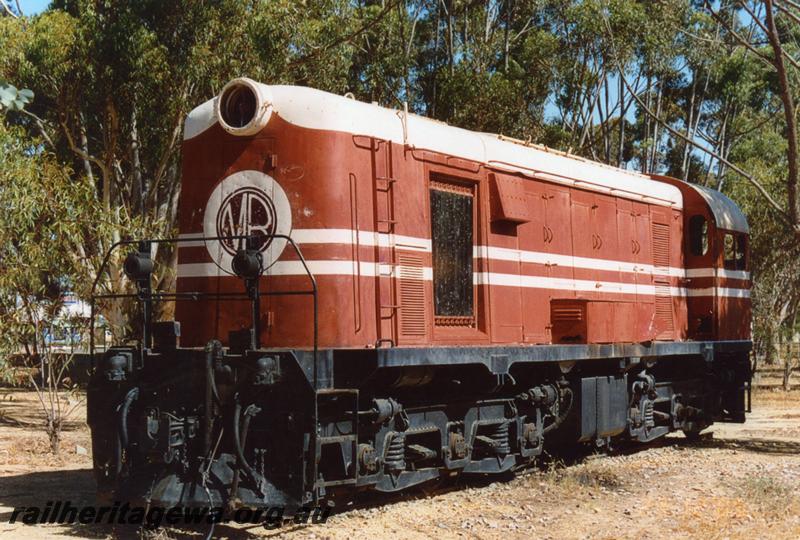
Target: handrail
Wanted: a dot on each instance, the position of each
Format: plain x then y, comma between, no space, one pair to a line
199,294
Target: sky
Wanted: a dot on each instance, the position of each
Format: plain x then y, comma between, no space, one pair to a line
32,7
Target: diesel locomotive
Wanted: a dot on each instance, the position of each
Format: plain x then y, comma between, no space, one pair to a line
367,299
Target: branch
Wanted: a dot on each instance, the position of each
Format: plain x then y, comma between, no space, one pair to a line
168,153
788,13
746,43
166,156
8,9
386,9
754,17
40,124
82,154
795,5
39,393
767,32
772,202
761,56
789,112
525,29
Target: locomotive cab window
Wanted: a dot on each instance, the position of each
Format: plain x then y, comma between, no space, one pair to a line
730,251
452,222
741,252
735,246
698,235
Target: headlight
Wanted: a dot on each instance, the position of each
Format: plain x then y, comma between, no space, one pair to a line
243,107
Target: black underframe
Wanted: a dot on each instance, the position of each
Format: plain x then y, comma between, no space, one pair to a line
498,360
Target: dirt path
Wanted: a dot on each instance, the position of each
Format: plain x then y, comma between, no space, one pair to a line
742,483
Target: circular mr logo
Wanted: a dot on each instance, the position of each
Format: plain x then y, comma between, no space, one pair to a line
246,203
246,211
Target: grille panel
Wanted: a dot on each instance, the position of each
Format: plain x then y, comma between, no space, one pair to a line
567,314
663,298
412,296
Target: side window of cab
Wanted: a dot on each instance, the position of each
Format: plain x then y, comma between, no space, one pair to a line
741,251
735,251
698,235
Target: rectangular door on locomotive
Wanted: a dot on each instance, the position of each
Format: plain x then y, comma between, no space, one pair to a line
546,257
595,244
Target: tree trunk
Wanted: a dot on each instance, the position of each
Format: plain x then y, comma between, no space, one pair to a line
138,181
604,119
788,111
450,34
645,158
654,148
437,45
87,165
622,110
506,34
687,147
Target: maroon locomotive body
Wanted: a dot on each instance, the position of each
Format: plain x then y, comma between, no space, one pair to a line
358,185
381,300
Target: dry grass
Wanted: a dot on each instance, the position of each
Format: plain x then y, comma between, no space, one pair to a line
592,475
23,407
157,534
770,495
757,506
715,517
776,398
32,449
24,441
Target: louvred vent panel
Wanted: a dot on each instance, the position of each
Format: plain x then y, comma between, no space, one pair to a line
412,296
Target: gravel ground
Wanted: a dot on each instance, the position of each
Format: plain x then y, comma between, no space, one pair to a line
740,483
